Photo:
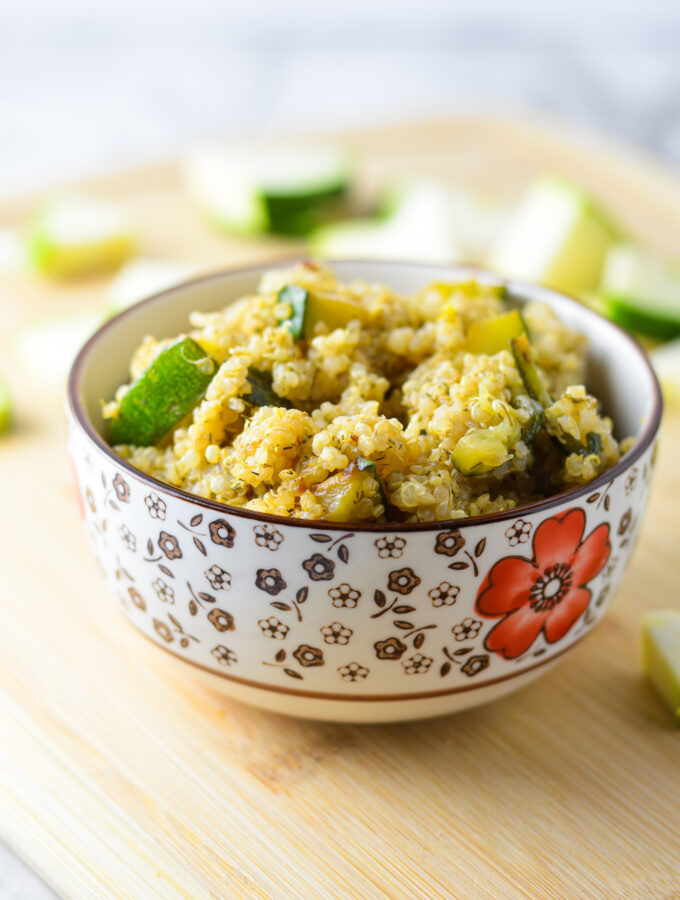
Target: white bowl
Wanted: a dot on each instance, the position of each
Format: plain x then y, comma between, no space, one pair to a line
363,623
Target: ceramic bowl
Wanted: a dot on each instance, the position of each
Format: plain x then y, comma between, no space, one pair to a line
362,623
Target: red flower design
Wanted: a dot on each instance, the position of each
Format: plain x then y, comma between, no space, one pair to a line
547,593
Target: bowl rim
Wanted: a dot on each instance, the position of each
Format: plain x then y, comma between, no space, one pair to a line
519,287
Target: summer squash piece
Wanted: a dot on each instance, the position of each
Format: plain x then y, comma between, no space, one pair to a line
168,389
261,391
341,494
661,655
530,375
5,408
494,334
297,298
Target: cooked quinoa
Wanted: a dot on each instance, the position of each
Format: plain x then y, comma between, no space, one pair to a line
389,417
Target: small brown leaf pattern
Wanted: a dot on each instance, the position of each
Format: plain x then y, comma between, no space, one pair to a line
319,567
353,672
89,496
221,619
344,595
223,655
448,543
122,488
169,545
417,664
270,580
624,523
218,579
268,536
473,665
444,594
390,547
222,533
467,630
518,532
163,631
308,656
335,633
631,480
390,648
403,581
273,628
137,599
155,506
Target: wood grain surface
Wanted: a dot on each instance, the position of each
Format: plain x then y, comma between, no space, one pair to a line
124,775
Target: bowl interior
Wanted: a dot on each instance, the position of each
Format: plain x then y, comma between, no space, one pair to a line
617,368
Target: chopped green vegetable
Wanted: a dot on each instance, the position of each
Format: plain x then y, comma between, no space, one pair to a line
536,418
661,655
261,391
168,389
342,494
479,452
495,333
529,373
642,292
297,297
5,407
593,444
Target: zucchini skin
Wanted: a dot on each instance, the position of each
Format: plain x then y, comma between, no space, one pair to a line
168,389
643,320
261,392
298,298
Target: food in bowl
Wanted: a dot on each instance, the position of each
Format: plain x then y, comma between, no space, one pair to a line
347,402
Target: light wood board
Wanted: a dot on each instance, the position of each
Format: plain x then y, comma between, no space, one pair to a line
122,775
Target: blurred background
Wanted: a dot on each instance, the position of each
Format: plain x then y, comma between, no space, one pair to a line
89,87
85,86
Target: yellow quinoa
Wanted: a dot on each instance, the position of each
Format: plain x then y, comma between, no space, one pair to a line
395,386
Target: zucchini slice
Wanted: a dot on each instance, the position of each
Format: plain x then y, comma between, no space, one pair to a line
78,235
168,389
533,382
297,297
257,191
536,418
261,392
642,292
5,407
141,278
308,309
341,494
491,335
661,655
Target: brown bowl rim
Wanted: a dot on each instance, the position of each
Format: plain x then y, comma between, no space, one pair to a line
518,287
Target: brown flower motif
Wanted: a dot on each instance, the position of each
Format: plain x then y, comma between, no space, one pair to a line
444,594
218,579
155,506
137,599
390,648
390,547
335,633
353,672
163,590
308,656
344,595
273,628
89,496
122,488
127,538
163,630
625,521
448,543
417,664
518,532
467,630
270,580
222,533
402,580
169,545
475,664
222,620
319,568
223,655
267,536
631,480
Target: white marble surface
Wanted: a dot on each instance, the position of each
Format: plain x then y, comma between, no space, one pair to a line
89,86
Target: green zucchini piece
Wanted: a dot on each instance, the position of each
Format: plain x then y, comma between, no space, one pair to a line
536,417
526,367
642,292
480,452
261,392
593,444
5,407
297,297
493,334
661,655
168,389
342,493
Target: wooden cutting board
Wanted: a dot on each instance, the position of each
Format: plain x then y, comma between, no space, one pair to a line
123,775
